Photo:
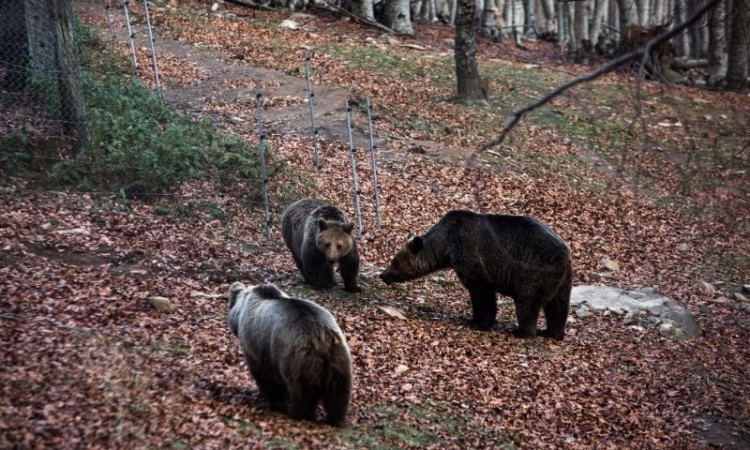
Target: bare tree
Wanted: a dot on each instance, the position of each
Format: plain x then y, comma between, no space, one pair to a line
738,40
467,71
717,50
398,17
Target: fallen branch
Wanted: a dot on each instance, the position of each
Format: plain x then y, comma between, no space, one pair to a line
251,4
642,52
356,17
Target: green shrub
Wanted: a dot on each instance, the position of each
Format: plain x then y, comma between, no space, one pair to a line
137,144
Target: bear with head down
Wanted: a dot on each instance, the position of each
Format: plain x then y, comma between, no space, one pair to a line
517,256
295,351
319,235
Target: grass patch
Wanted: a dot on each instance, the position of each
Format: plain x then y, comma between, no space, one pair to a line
414,426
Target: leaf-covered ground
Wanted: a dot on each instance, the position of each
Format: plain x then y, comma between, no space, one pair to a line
87,363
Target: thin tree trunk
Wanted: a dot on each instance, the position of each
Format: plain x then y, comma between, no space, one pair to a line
682,44
580,23
628,15
738,41
600,9
398,16
717,55
66,58
467,71
365,9
550,15
644,7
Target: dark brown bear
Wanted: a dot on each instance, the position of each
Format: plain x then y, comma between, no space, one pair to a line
517,256
295,351
319,235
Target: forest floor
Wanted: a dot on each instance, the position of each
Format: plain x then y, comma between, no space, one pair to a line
652,177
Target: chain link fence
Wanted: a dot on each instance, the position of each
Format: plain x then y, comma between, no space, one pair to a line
40,82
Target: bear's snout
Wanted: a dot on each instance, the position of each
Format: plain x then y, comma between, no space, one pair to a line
387,279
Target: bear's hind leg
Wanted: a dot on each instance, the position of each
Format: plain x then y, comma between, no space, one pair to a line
556,314
302,403
527,313
483,305
272,391
336,399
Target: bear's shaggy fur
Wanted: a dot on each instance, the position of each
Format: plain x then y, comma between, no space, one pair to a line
517,256
319,235
295,351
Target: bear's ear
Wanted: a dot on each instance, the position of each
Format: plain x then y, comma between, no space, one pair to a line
415,243
322,224
348,227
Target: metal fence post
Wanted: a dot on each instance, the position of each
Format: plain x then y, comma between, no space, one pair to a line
310,95
374,163
130,35
153,49
262,153
355,183
109,20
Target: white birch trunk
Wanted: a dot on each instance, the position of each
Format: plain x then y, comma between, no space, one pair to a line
717,55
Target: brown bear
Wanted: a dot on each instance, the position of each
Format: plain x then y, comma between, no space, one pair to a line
319,235
295,351
517,256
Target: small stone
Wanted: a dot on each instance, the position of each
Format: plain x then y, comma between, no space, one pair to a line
610,265
406,387
721,300
401,368
683,247
740,297
706,286
393,312
601,276
161,304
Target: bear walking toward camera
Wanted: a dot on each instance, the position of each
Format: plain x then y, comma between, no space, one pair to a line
319,235
517,256
295,351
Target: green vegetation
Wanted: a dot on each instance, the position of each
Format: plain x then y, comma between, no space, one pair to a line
415,426
137,144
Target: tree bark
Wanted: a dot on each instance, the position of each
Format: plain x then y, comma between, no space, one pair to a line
467,71
366,10
738,40
66,59
600,9
398,16
550,17
682,45
717,50
628,14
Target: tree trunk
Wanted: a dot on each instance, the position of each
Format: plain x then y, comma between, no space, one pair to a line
717,54
628,14
529,18
600,9
467,72
66,59
644,7
398,16
489,22
550,15
580,24
738,40
682,44
366,10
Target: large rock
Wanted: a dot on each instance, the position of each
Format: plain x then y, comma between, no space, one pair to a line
641,308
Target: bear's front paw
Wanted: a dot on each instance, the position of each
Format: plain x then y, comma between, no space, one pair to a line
353,289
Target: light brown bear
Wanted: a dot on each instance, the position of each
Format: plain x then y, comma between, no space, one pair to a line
295,351
517,256
319,236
